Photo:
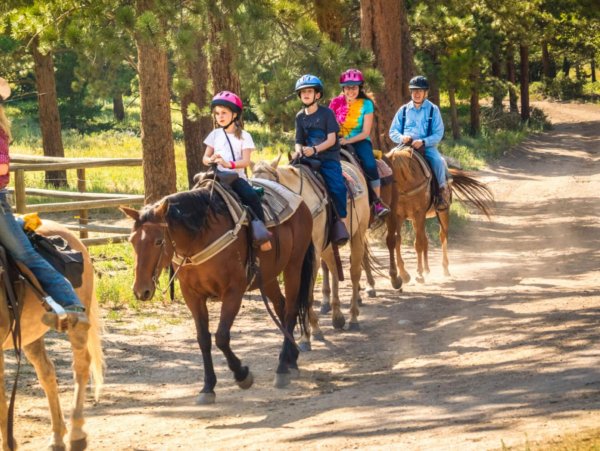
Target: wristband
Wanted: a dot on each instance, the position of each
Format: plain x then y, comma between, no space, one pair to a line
315,149
232,164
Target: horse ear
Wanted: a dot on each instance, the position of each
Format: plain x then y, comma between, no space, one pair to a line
161,210
276,161
131,212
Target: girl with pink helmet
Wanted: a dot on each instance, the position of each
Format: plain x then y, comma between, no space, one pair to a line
229,147
354,112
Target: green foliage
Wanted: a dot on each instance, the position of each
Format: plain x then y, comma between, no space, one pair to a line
559,88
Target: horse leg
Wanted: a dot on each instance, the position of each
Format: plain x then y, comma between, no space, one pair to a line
232,302
357,255
203,337
3,405
46,374
404,275
390,240
420,245
325,289
337,317
444,218
313,326
369,273
78,336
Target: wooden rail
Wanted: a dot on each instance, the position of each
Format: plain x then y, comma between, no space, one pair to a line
80,200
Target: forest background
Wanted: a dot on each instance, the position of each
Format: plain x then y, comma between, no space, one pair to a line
135,78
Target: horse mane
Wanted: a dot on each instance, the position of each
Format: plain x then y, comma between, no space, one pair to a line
190,209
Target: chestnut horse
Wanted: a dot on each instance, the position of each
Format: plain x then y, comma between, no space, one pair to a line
86,346
357,224
185,224
410,197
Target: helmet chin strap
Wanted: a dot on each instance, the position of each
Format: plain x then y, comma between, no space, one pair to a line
225,127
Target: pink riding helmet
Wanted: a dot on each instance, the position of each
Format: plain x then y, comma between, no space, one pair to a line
352,77
229,100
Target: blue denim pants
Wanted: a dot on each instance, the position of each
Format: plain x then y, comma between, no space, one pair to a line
364,151
18,245
437,163
331,170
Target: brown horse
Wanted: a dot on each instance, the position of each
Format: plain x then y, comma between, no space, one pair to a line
187,223
410,197
86,346
357,224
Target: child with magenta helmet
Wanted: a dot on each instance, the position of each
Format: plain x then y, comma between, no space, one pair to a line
229,147
317,137
354,112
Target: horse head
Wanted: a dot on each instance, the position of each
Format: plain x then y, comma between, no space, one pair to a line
153,250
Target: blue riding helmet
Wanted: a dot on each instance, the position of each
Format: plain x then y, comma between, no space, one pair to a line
309,81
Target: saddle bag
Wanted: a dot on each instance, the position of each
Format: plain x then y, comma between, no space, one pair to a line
60,255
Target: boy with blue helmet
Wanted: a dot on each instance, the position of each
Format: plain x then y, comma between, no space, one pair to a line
317,137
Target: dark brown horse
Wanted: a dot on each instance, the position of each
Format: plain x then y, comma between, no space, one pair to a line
410,197
187,223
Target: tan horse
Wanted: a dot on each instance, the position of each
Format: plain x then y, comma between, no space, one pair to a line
87,351
411,198
357,224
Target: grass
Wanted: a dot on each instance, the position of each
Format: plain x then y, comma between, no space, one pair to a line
114,262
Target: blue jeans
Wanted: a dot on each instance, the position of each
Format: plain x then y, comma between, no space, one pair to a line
331,170
364,151
437,163
18,245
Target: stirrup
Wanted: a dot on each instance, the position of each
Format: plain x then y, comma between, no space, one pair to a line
74,316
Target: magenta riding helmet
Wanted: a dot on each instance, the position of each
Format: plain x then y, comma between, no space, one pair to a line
228,99
352,77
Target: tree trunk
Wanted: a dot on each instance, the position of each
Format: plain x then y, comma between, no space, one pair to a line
497,93
475,124
118,107
512,79
453,114
593,67
222,58
194,131
566,66
384,31
432,77
48,112
524,52
546,61
329,18
157,133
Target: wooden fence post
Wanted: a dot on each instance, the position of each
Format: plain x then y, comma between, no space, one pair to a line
20,199
83,214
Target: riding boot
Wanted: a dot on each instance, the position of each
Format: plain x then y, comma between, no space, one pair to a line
261,235
443,199
339,234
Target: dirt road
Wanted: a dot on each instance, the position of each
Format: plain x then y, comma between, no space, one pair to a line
505,351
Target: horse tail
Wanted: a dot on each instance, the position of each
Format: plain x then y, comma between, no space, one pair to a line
306,285
370,262
94,345
470,190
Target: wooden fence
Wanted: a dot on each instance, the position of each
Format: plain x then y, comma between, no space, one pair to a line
80,200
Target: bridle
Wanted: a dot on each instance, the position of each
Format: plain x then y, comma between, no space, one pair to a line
163,253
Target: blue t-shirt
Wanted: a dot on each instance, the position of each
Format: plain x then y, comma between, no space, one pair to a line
312,130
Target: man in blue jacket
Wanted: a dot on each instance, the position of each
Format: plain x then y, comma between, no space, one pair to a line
419,123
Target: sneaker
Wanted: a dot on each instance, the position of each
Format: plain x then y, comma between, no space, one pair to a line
76,316
380,210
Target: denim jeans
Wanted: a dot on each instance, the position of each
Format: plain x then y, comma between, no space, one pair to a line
437,163
331,170
17,244
364,151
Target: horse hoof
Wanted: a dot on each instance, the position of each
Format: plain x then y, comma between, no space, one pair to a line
447,273
325,308
405,278
359,301
354,327
420,279
371,293
57,447
305,346
396,283
319,336
281,380
294,373
79,445
246,383
338,322
205,399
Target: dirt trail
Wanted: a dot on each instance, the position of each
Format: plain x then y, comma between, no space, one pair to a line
504,351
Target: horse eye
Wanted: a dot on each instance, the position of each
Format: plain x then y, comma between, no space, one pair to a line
159,242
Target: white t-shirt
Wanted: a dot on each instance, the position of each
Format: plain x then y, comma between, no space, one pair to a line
218,141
